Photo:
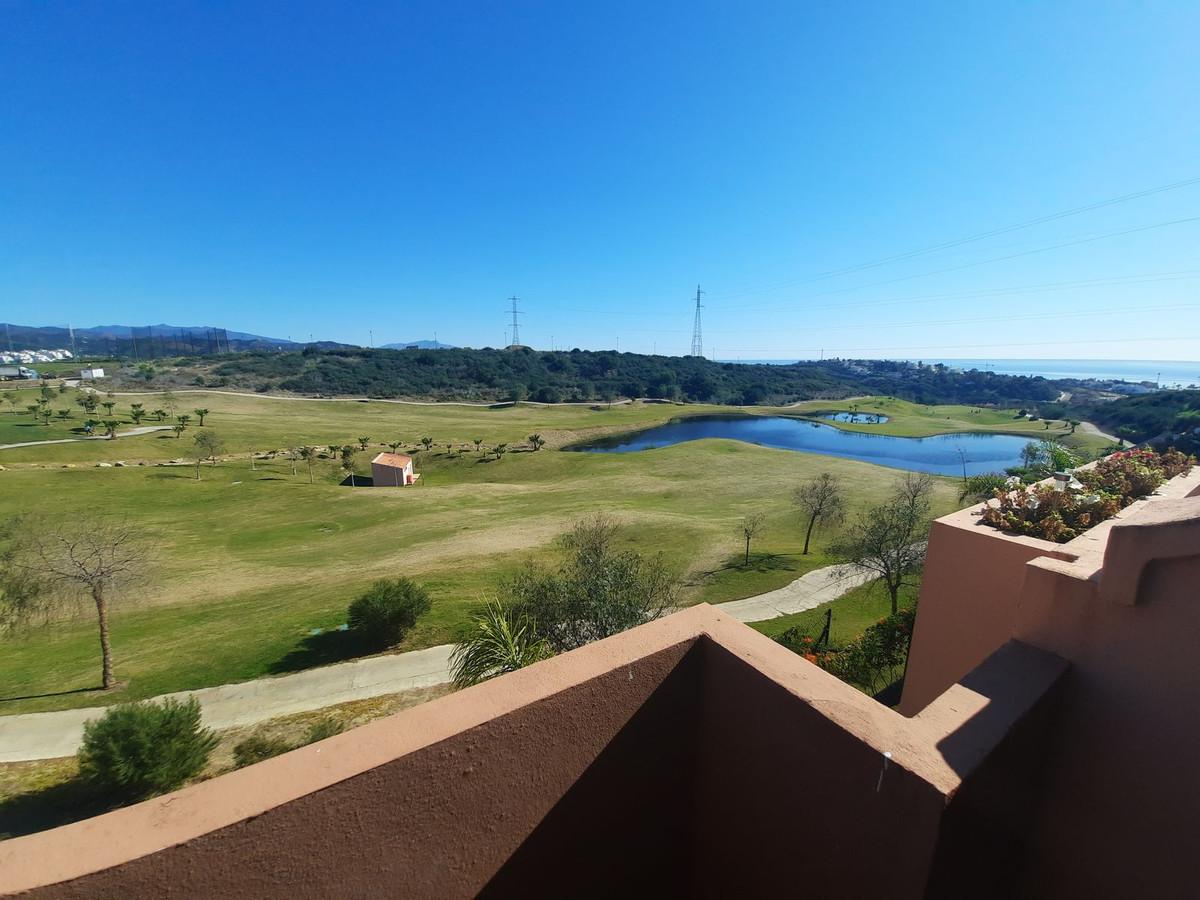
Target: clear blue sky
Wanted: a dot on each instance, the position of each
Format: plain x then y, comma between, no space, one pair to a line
333,169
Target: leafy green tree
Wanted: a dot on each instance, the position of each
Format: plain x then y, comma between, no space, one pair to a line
108,406
820,501
597,591
395,446
500,450
498,640
537,441
478,443
137,415
389,609
427,442
889,540
178,429
139,750
363,442
110,428
64,414
159,414
183,419
33,409
12,399
200,414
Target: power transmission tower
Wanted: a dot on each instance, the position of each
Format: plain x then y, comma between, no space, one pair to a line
516,333
697,338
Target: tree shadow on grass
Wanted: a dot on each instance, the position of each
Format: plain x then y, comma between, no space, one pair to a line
85,690
759,562
359,481
318,650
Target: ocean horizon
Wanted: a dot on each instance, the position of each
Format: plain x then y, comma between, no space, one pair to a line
1165,373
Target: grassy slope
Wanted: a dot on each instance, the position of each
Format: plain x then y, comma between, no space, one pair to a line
248,562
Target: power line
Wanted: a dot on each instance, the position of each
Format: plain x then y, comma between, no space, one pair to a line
978,236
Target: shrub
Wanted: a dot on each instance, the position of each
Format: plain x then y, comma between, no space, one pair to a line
871,662
139,750
1106,489
383,615
255,749
323,728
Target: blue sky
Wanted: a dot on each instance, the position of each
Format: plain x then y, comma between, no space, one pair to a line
341,169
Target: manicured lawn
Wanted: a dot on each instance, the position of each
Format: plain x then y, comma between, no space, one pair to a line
248,562
852,614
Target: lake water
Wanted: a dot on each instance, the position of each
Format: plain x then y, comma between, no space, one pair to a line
937,455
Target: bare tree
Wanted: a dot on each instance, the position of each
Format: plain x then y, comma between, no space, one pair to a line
45,566
208,446
822,502
308,454
890,539
749,528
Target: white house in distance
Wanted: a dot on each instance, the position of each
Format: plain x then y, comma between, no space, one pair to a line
392,470
90,374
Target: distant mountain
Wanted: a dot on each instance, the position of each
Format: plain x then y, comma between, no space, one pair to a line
420,345
141,340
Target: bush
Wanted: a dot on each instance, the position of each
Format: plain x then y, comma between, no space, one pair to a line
382,616
871,662
139,750
1107,488
323,728
255,749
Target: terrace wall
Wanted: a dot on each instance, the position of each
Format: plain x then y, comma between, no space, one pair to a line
691,756
1119,788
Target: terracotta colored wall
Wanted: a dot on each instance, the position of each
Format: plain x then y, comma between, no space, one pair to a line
968,604
440,822
1122,781
788,803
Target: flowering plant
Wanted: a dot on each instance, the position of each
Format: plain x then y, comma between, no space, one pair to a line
1106,489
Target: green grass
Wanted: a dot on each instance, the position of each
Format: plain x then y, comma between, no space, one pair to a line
853,613
248,562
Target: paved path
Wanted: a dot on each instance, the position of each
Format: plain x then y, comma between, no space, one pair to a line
1089,428
53,734
132,432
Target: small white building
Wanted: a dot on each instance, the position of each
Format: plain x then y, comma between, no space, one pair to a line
90,374
392,470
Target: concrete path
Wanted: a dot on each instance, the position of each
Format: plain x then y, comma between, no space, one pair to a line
132,432
806,592
53,734
1089,428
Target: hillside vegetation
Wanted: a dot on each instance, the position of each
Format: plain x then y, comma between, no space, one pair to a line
587,376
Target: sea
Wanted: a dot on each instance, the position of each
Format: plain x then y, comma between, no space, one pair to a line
1164,373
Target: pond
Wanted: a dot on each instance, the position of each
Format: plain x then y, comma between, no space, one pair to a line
854,418
937,455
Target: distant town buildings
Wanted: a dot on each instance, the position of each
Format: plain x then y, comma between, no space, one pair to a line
27,357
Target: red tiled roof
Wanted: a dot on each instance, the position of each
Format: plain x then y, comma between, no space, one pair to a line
396,460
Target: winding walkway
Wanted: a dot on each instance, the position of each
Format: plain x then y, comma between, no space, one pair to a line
30,736
132,432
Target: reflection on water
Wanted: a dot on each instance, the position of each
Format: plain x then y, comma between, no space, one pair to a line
941,454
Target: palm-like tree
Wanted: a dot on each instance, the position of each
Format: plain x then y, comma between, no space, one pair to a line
395,445
478,444
500,450
160,414
110,426
178,429
184,419
427,442
363,441
200,414
537,441
500,640
136,414
308,454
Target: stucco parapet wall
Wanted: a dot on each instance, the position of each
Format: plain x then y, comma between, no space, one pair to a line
942,746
